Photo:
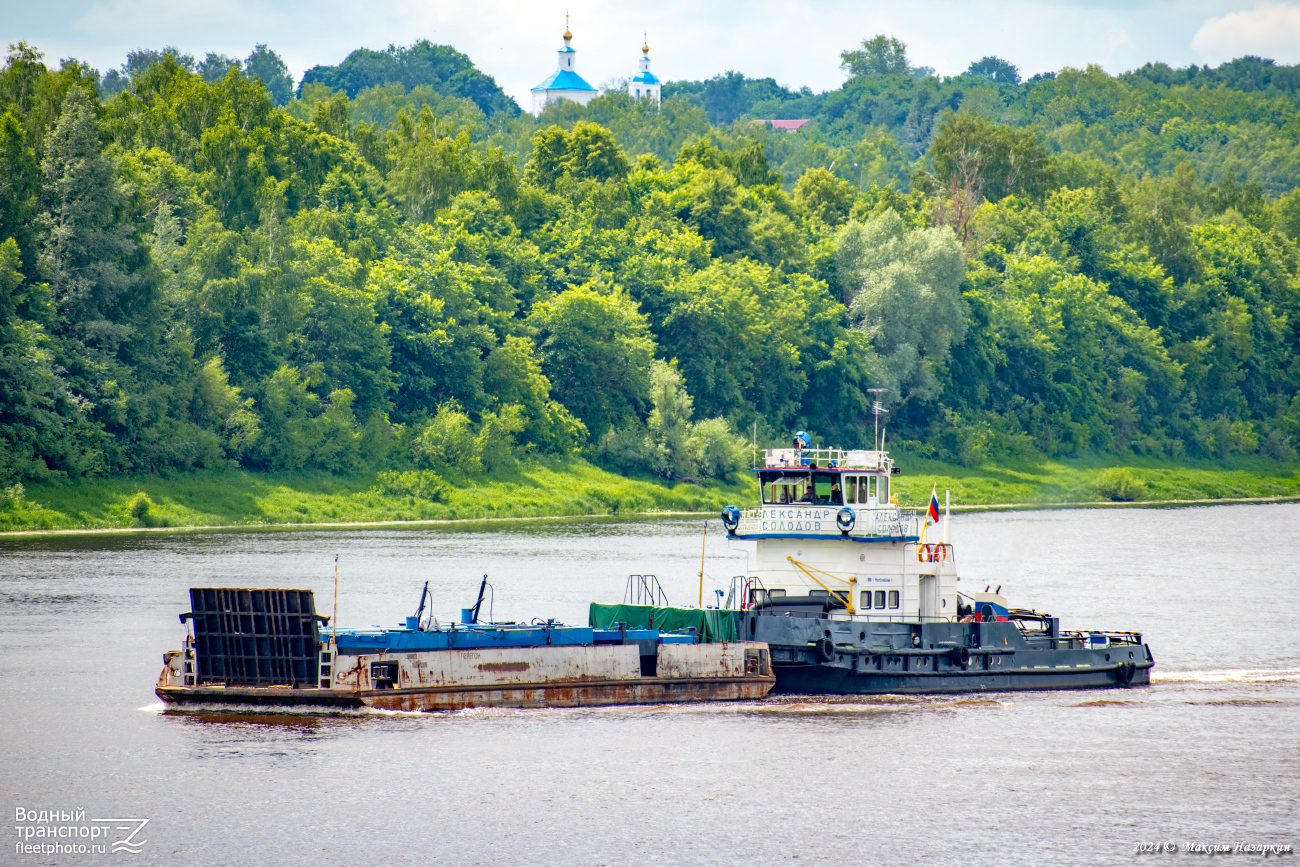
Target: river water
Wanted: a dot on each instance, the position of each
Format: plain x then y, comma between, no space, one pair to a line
1210,753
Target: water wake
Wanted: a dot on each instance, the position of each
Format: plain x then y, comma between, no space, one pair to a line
1226,675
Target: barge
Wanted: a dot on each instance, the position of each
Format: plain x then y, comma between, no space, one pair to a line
270,647
857,596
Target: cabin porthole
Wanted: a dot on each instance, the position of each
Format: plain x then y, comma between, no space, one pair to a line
1130,654
862,636
1108,657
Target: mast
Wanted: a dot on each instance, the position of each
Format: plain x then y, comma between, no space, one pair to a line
877,409
704,537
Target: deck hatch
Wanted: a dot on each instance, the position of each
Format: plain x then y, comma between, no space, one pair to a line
255,637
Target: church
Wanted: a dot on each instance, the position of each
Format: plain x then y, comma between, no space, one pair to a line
644,84
566,83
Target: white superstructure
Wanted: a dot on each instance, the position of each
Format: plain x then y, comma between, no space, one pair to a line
829,526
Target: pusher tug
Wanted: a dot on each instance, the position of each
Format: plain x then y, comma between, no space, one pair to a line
852,598
268,647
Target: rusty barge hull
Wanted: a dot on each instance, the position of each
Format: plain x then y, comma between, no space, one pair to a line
643,667
530,695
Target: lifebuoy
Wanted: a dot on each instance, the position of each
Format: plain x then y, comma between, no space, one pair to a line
940,553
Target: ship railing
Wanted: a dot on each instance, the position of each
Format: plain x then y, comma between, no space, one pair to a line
745,592
826,458
841,615
644,590
888,522
1081,639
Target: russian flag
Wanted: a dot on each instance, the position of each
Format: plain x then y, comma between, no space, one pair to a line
934,505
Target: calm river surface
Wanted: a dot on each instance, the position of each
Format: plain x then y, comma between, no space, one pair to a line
1210,753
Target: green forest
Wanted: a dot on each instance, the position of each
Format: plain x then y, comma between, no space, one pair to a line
387,270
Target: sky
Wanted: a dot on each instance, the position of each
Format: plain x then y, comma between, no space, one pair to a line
797,42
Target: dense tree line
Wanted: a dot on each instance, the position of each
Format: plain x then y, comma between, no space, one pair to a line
441,68
1233,122
390,273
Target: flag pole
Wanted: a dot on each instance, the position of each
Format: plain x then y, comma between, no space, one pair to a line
335,623
704,536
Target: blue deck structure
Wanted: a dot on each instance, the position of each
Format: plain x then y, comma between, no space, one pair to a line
485,635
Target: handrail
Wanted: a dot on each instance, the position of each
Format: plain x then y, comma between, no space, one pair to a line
644,590
742,589
826,458
884,510
840,615
886,522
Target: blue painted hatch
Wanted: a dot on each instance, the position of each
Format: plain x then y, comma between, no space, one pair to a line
485,635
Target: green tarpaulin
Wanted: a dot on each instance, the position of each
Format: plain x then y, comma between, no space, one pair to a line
710,624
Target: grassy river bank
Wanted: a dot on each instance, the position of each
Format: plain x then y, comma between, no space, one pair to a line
572,486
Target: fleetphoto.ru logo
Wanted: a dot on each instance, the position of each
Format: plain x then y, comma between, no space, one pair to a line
69,832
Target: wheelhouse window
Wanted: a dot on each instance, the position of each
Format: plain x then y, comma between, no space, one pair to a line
861,490
880,599
826,489
810,489
893,598
785,487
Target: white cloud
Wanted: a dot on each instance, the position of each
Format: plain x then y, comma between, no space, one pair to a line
1269,30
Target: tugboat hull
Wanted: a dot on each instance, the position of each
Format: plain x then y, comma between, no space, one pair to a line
843,656
858,596
814,679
